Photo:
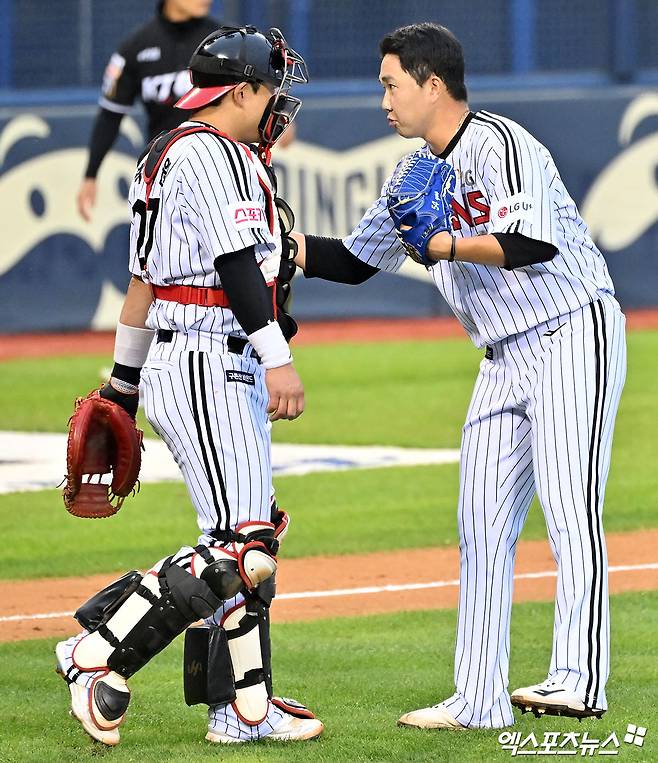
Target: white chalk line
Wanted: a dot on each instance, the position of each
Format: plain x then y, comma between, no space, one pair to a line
366,590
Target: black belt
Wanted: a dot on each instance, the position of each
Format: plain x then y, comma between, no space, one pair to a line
234,344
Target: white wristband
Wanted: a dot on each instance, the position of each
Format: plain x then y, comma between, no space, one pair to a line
131,345
271,345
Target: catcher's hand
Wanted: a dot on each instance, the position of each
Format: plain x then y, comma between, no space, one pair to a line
102,440
419,201
128,401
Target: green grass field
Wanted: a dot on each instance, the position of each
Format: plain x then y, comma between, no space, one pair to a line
359,674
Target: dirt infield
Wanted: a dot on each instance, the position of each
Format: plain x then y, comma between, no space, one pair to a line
329,332
314,588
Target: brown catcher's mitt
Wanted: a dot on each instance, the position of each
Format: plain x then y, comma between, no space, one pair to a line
103,439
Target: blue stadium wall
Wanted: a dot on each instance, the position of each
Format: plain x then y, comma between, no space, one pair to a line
59,273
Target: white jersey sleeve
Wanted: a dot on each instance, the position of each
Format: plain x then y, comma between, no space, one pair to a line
518,178
374,241
224,199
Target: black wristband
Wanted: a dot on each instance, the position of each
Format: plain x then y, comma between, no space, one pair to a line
453,248
129,403
126,373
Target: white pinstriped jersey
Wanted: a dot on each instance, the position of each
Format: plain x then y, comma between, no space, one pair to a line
506,182
211,196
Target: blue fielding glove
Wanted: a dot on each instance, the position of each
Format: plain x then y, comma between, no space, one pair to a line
420,195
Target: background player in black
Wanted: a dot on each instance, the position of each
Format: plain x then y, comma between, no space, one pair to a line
150,65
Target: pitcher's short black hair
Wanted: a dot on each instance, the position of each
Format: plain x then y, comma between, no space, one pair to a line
426,49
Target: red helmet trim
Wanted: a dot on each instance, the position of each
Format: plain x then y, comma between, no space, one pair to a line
202,96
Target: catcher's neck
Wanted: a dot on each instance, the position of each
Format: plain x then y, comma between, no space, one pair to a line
447,125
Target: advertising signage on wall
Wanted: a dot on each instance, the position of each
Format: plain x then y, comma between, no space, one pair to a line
605,145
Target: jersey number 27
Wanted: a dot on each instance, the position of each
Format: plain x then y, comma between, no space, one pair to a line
148,214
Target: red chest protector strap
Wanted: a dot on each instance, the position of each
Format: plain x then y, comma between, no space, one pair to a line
156,154
162,144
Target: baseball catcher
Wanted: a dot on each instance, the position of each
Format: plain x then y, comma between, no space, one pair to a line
202,338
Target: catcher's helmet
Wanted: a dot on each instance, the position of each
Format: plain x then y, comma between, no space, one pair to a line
232,55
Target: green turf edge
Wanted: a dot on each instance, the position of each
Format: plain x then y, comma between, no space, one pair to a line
348,512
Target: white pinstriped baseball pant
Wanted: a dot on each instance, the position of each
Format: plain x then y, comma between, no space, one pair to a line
540,421
210,407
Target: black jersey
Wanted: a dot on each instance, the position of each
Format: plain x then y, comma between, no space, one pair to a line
152,65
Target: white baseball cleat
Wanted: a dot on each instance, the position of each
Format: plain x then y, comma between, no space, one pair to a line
435,717
99,699
551,698
289,729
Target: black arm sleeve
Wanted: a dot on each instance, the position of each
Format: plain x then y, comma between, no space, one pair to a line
330,259
520,250
249,297
103,135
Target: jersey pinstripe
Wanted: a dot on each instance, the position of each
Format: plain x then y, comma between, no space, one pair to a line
211,196
507,181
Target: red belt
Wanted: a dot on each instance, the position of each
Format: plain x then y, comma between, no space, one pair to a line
192,295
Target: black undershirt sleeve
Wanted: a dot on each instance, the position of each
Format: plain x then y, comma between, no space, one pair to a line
103,135
520,250
250,299
330,259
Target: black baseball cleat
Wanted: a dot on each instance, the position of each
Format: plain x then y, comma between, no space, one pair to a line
551,698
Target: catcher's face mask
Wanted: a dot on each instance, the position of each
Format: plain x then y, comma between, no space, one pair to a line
282,107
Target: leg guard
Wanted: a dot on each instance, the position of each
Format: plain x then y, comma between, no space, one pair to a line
105,603
232,662
137,617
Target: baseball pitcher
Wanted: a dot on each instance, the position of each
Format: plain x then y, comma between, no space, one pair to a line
483,208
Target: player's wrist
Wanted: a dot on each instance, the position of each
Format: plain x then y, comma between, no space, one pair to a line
271,346
123,386
131,345
440,246
129,401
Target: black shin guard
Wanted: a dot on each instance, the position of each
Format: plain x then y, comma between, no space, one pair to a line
184,599
136,617
207,669
106,602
